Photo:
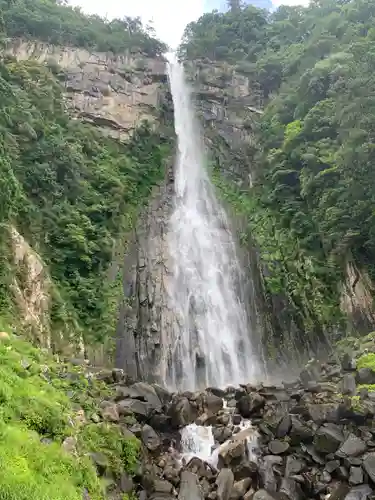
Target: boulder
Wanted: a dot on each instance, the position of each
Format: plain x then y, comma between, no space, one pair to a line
231,453
328,438
213,404
189,487
348,363
369,465
284,426
160,422
236,419
182,412
118,375
266,471
249,404
365,376
150,438
352,447
363,492
129,407
162,393
126,483
110,412
290,489
224,483
221,434
277,447
294,466
356,476
263,495
198,467
142,392
240,488
220,393
245,470
311,373
300,432
348,385
324,412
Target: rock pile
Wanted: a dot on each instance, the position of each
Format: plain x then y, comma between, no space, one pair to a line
315,437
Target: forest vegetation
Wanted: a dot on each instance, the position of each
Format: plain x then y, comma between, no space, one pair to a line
311,209
70,191
74,195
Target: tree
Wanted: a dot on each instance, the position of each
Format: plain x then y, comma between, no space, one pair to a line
235,5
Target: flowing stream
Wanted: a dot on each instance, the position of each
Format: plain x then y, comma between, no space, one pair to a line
211,338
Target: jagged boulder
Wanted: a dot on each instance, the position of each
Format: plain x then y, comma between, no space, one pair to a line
249,404
150,438
182,412
328,438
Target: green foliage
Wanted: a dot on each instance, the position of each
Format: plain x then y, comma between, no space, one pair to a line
60,24
314,192
39,399
31,409
72,193
25,396
230,36
120,453
366,361
32,469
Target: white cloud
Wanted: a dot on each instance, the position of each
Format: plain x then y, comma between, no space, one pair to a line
277,3
169,16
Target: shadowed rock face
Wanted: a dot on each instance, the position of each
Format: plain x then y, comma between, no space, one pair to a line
144,315
114,93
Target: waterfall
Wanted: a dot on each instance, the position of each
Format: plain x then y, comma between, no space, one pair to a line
210,342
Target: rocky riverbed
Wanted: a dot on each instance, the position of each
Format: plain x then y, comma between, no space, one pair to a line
310,439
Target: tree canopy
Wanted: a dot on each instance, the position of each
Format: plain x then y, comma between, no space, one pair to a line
58,23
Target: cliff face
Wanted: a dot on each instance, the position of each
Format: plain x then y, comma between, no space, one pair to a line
144,317
112,92
228,104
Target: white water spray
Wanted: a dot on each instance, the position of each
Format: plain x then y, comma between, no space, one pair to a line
198,441
210,344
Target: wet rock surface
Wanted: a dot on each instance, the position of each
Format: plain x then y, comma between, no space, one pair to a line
315,438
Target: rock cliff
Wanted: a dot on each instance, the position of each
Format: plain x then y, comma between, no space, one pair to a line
144,317
115,94
112,92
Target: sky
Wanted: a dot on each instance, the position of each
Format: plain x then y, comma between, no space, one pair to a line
169,16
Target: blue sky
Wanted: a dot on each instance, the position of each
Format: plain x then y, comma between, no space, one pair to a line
169,16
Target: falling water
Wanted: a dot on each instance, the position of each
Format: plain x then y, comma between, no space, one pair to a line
210,344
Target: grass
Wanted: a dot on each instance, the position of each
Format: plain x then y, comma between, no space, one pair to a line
39,400
366,361
30,469
120,453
